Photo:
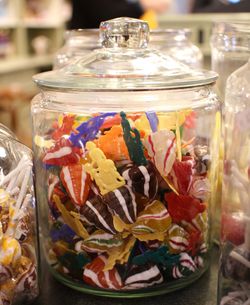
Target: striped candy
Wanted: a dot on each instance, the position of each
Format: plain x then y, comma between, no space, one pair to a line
185,267
161,148
122,203
94,275
142,179
143,276
200,188
62,154
95,212
99,242
154,219
177,239
77,183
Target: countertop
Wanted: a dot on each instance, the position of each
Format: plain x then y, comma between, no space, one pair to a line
202,292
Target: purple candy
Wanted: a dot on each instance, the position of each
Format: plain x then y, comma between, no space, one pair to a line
153,120
63,233
87,131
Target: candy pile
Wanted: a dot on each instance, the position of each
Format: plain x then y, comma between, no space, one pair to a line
127,198
18,273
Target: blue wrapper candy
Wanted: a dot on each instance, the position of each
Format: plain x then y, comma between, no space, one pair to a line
153,120
87,131
62,232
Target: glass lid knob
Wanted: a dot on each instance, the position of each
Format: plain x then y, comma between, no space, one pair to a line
124,33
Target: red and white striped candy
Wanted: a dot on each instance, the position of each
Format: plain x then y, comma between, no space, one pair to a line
63,153
94,275
77,183
161,148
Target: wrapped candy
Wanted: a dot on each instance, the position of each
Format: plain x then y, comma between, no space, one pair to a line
18,259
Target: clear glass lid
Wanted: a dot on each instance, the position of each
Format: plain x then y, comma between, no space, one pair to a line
124,63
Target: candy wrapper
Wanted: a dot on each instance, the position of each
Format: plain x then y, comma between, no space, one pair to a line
18,256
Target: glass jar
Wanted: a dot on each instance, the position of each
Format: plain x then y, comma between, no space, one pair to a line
234,279
125,167
230,43
177,43
77,43
18,242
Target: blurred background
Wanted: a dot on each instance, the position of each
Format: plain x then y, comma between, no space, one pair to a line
31,31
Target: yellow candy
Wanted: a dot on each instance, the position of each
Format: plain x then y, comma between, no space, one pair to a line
120,255
10,252
102,170
74,223
153,222
42,143
143,124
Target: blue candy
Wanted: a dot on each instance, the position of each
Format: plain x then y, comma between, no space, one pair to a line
87,131
153,120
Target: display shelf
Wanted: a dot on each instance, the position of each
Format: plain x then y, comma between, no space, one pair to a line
22,63
23,28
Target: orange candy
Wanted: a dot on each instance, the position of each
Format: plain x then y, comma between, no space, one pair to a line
112,144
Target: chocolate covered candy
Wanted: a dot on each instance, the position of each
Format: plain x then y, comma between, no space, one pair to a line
122,203
95,212
143,276
202,159
142,179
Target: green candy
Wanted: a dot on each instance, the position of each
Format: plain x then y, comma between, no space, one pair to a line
74,263
160,256
133,141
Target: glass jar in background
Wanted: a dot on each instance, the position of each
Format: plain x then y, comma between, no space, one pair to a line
18,234
77,43
230,43
177,43
125,167
234,278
